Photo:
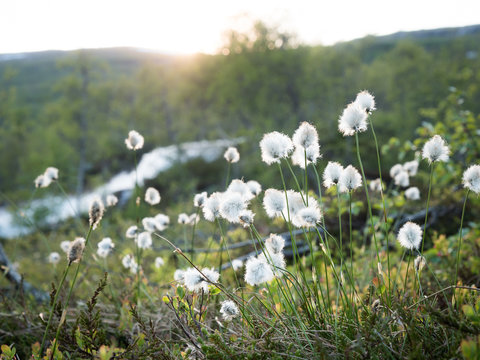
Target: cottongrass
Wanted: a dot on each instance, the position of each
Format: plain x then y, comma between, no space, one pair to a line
54,258
105,247
365,101
471,178
149,224
275,146
412,193
419,263
159,262
134,141
274,203
352,120
350,179
144,240
410,236
435,149
395,170
211,209
331,174
375,185
152,196
199,199
411,167
246,218
237,264
183,219
240,187
257,271
111,200
232,155
75,250
229,310
254,187
65,245
131,232
402,179
232,206
96,212
162,221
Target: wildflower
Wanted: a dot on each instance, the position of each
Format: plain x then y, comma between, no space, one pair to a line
54,258
134,140
238,186
232,155
353,120
331,174
193,219
376,185
395,170
211,275
41,181
305,136
199,199
161,222
105,247
211,209
312,154
127,261
350,179
51,173
308,217
275,243
411,167
111,200
229,310
96,212
295,202
152,196
402,179
231,206
365,101
159,262
254,187
149,224
237,264
144,240
246,218
410,236
65,245
193,280
257,271
471,178
275,146
412,193
276,261
183,219
179,275
419,263
75,251
274,203
131,232
435,149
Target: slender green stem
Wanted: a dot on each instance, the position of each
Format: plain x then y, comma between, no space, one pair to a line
193,233
427,206
351,239
460,239
227,179
306,176
52,308
137,206
406,276
228,253
296,180
65,306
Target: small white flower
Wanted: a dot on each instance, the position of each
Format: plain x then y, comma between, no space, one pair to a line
127,261
41,181
75,250
295,203
275,146
275,243
435,149
274,203
411,167
131,232
412,193
231,206
179,275
199,199
229,310
54,258
65,245
149,224
183,219
276,261
305,136
471,178
152,196
144,240
232,155
51,173
238,186
311,154
257,271
105,247
96,212
331,174
159,262
211,209
308,217
376,185
402,179
161,222
255,187
353,120
134,140
410,236
365,101
237,264
395,170
350,179
246,218
111,200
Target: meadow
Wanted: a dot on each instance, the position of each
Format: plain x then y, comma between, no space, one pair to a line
322,262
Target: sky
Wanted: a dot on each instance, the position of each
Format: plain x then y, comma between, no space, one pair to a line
191,26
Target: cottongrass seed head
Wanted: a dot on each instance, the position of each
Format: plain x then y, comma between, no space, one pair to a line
365,101
246,218
275,243
435,149
402,179
127,261
395,170
254,187
331,174
134,140
419,263
144,240
305,136
352,120
375,185
274,203
311,154
199,199
131,232
275,146
111,200
411,167
276,262
51,173
237,264
350,179
65,245
183,219
232,155
229,310
41,181
149,224
231,206
54,258
308,217
257,271
161,221
179,275
239,186
96,212
412,193
152,196
211,209
410,236
105,247
159,262
75,251
471,178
